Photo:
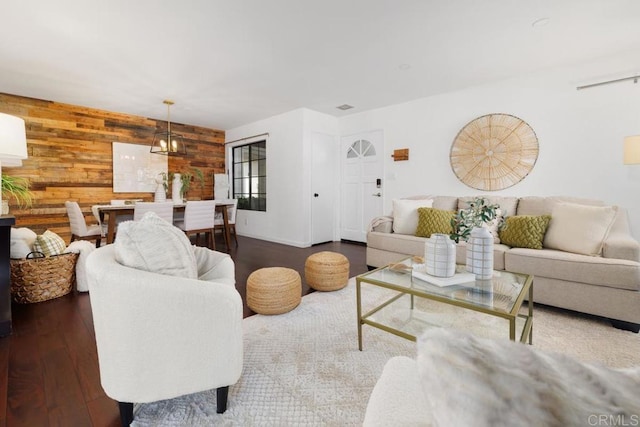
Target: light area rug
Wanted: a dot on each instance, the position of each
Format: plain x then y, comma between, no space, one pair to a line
303,368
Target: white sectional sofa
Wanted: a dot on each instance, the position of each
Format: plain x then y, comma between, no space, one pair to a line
606,285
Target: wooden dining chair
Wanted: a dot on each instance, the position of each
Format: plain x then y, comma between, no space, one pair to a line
231,215
199,217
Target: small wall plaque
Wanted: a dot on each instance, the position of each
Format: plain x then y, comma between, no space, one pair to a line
400,154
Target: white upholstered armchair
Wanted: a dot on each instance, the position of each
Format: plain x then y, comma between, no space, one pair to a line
160,336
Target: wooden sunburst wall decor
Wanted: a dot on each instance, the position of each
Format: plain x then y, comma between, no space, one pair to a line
494,152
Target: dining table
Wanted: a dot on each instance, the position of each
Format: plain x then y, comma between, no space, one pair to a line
113,211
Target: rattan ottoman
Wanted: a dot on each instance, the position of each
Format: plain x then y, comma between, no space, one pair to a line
273,290
326,271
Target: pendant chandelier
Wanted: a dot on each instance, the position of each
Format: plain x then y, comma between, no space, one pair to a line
167,142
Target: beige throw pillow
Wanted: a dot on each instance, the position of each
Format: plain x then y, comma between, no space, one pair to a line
405,214
49,243
22,240
579,229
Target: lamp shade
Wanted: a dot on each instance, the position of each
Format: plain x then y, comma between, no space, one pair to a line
632,150
13,140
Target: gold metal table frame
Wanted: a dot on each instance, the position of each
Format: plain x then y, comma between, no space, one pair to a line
504,301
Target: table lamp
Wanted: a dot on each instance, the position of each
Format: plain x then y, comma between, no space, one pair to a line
13,142
632,150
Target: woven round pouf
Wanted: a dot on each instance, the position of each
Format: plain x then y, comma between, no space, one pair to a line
273,290
327,271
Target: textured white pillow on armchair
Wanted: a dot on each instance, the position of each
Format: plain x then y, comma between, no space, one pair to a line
471,381
152,244
405,214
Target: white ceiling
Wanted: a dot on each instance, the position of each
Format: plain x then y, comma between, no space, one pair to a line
230,62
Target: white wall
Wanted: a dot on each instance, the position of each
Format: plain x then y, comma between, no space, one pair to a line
287,219
315,122
282,221
580,134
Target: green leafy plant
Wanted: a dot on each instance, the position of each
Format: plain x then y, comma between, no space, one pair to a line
18,189
185,179
477,214
165,180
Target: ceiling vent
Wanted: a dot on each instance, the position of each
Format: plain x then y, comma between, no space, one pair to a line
344,107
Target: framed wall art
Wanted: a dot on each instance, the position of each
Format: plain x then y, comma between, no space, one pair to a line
494,152
135,168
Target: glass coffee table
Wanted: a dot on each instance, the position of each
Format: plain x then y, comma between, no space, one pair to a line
407,305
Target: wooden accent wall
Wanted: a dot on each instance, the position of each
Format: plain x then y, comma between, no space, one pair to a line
70,158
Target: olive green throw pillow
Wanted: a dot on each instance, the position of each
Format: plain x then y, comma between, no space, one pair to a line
524,231
431,220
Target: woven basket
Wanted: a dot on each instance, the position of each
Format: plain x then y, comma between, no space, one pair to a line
42,279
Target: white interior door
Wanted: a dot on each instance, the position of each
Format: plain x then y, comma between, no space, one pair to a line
323,187
361,192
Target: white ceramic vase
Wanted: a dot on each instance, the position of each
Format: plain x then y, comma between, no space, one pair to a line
160,194
176,189
440,255
480,253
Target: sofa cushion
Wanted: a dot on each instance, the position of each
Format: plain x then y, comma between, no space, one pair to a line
152,244
525,231
431,220
485,382
405,214
412,245
611,272
508,205
499,251
446,203
620,243
580,229
535,205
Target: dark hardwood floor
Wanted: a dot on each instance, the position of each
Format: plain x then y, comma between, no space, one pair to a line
49,368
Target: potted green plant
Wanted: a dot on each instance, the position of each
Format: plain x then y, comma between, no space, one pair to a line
479,212
185,179
16,188
165,177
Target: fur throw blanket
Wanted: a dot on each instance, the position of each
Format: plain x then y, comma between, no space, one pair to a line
471,381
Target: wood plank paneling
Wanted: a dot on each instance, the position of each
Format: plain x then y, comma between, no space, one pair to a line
70,149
